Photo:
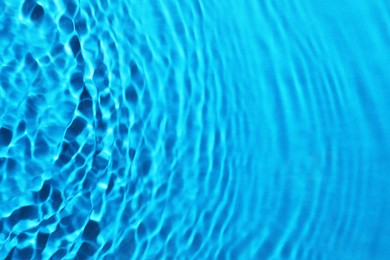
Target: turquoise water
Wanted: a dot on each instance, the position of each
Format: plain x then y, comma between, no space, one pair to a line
194,129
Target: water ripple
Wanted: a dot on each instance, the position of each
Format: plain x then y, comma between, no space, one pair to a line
194,130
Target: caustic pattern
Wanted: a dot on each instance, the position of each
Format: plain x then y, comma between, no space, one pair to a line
116,140
194,129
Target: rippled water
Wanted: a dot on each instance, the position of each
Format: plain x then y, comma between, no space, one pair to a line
194,129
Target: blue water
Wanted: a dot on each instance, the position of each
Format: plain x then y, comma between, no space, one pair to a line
194,129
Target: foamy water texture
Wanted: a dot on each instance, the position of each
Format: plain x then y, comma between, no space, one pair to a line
194,129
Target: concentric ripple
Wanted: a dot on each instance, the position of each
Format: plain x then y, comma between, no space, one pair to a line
194,129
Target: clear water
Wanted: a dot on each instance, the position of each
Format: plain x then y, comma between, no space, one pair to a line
194,129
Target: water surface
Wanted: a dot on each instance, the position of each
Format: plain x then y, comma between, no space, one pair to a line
194,129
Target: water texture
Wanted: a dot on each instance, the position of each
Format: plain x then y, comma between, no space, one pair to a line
194,129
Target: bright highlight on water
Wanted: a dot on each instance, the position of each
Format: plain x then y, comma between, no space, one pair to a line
194,129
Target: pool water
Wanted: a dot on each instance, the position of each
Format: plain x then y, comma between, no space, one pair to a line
194,129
